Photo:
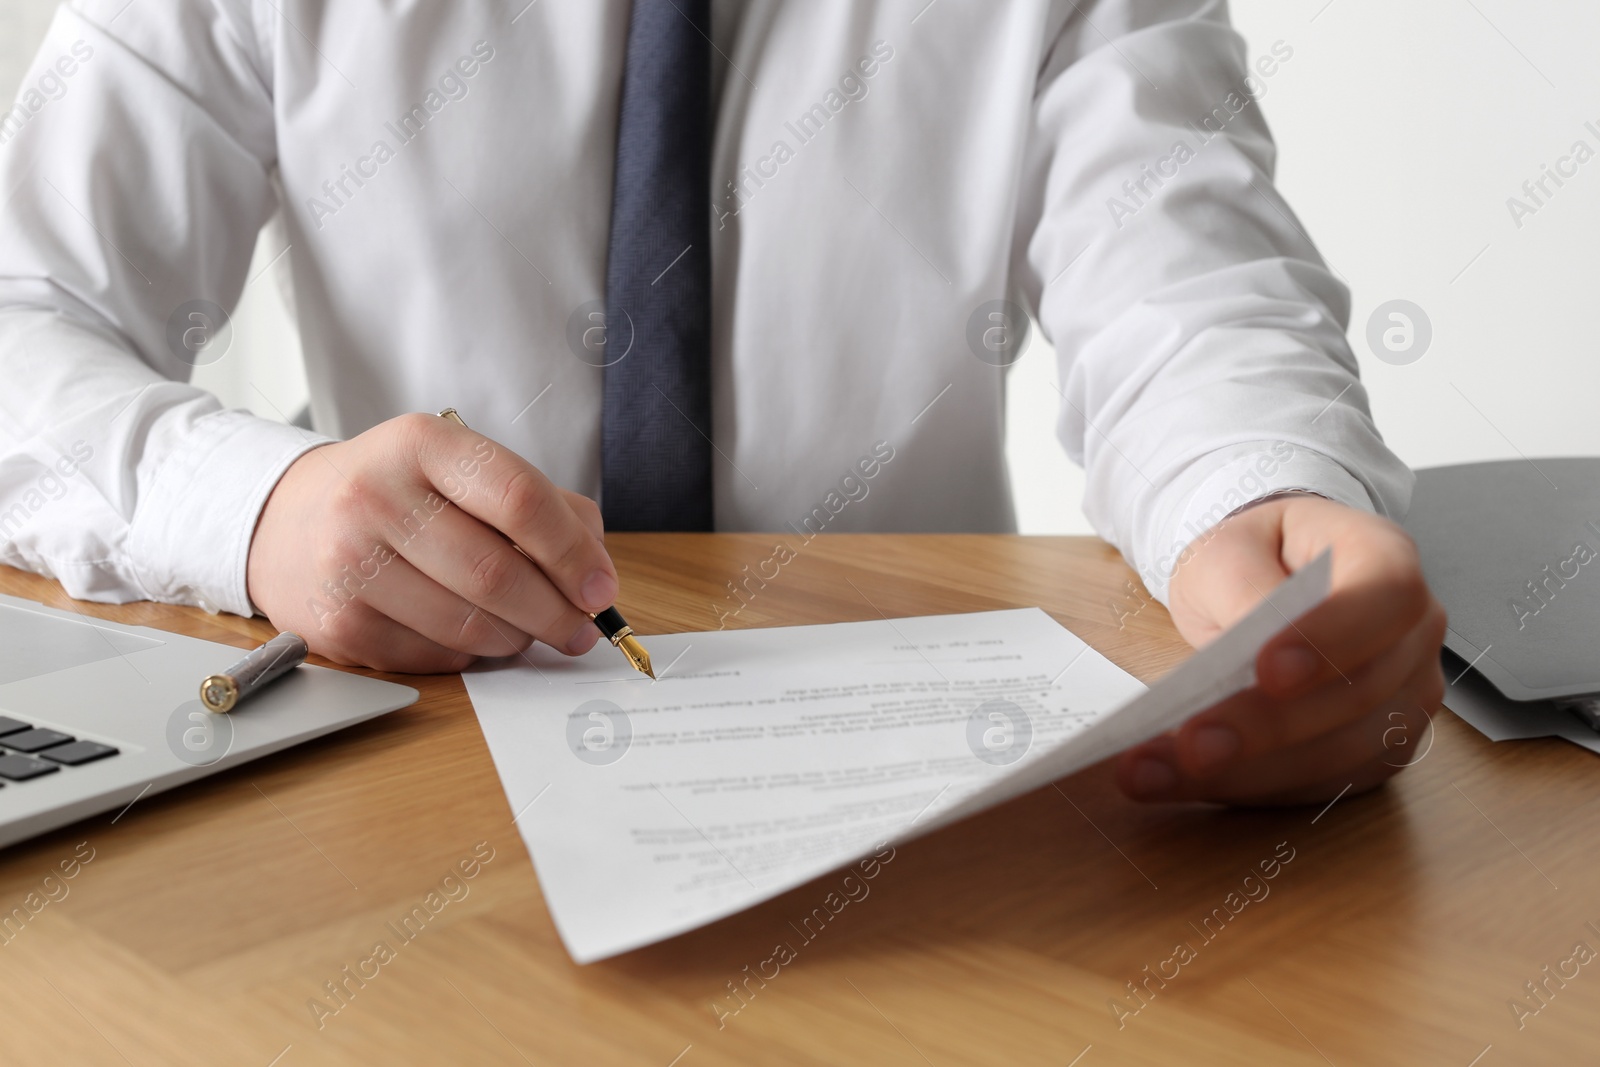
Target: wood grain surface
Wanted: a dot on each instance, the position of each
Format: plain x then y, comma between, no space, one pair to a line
206,923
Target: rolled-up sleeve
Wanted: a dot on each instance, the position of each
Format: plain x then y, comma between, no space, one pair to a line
135,174
1201,337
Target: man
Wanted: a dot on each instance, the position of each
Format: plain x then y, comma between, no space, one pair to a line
713,264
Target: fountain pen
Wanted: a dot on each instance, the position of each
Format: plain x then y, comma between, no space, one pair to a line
610,621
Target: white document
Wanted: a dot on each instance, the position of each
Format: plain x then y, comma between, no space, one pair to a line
760,759
1475,700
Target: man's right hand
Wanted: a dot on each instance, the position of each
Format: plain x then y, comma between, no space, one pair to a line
394,550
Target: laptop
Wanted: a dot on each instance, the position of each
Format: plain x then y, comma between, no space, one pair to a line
95,715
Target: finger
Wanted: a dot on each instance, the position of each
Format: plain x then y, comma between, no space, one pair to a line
1149,772
588,513
1357,754
1151,775
512,496
482,567
1254,722
1378,594
1353,756
357,635
414,600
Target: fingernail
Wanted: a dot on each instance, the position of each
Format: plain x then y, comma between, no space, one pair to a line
583,639
1152,778
1293,665
599,591
1212,745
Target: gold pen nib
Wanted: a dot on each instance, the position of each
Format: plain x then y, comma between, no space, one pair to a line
636,654
620,634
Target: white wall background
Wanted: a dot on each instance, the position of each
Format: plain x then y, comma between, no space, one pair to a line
1403,129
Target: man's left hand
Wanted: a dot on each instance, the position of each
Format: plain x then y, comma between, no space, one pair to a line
1342,698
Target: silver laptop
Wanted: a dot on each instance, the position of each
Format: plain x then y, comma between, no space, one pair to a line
95,715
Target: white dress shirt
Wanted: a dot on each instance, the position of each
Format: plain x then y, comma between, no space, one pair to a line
883,173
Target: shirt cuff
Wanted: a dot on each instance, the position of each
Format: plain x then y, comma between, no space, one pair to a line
190,539
1268,468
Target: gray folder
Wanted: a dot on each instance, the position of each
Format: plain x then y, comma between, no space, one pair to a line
1512,550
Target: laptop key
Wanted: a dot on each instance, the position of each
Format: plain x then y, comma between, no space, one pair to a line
8,725
34,739
78,752
21,768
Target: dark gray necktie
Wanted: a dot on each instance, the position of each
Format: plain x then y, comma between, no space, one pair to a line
656,422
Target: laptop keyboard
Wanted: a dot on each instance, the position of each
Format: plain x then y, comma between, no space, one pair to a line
28,751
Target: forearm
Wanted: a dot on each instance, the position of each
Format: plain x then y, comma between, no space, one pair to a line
1200,334
119,483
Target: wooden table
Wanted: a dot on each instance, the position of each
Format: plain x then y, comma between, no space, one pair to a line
1401,931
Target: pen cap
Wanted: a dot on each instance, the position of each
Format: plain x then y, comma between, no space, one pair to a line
277,657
